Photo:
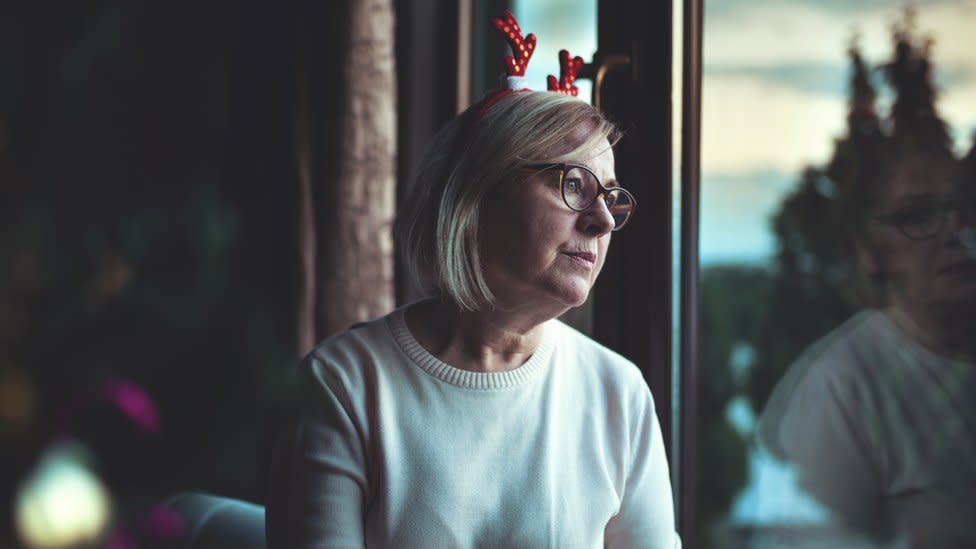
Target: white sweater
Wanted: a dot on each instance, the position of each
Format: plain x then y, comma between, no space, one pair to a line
882,432
398,449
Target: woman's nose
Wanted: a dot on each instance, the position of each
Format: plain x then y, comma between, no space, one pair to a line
596,220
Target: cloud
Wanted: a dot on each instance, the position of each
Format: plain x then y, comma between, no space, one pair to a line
956,105
831,79
836,7
785,34
749,123
774,100
954,76
776,76
805,77
780,31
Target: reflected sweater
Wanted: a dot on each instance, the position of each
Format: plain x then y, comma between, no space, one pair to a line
882,432
395,448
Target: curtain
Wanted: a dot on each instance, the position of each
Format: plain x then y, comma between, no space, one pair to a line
345,145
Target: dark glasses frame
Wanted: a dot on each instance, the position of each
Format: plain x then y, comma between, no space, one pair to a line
564,167
964,205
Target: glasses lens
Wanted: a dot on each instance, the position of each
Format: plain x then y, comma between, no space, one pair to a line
920,221
620,205
580,188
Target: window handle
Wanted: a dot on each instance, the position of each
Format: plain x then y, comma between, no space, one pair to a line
601,65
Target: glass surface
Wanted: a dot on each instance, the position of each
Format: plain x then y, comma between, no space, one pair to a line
837,390
558,25
925,218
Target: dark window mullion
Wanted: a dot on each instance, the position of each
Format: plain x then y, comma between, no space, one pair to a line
691,60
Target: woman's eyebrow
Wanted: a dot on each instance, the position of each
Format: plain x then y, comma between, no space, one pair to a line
609,182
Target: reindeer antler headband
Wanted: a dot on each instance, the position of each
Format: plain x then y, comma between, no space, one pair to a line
515,65
522,49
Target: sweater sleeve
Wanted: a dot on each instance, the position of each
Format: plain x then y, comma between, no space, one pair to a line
318,478
646,516
824,434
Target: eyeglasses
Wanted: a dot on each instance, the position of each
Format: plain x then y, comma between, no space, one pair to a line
925,220
580,188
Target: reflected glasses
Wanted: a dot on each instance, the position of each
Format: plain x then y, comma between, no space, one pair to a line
925,220
580,188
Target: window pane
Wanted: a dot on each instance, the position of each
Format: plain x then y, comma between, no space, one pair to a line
558,25
837,390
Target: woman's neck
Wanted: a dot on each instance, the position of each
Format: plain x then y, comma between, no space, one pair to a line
481,341
945,332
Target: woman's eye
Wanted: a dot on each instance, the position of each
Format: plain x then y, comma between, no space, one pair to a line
921,215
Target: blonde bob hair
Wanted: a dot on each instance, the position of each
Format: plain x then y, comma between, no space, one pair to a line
438,228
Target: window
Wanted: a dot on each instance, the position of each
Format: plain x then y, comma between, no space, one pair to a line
817,116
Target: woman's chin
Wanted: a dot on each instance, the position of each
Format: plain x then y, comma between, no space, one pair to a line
574,296
555,295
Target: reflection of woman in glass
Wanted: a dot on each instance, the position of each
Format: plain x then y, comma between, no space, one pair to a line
475,418
879,417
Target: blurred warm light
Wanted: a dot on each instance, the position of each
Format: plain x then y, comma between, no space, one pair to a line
62,503
16,399
112,273
25,273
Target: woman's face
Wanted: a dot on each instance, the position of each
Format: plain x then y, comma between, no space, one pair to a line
537,252
939,270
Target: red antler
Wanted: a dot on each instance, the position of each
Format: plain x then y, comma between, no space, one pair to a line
568,69
522,48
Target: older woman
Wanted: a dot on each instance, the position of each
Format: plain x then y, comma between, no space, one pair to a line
475,418
878,419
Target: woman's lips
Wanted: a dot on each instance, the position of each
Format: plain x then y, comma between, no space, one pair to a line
586,259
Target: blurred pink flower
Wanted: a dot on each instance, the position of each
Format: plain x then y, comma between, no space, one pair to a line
134,402
120,540
160,523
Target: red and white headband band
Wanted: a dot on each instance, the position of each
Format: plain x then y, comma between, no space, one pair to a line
515,65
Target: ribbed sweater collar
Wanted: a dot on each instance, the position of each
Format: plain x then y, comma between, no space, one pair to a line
485,381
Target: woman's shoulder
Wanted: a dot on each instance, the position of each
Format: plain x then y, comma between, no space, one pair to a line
350,357
589,359
837,373
569,337
365,334
854,350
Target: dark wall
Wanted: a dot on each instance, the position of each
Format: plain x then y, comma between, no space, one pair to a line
148,222
147,228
